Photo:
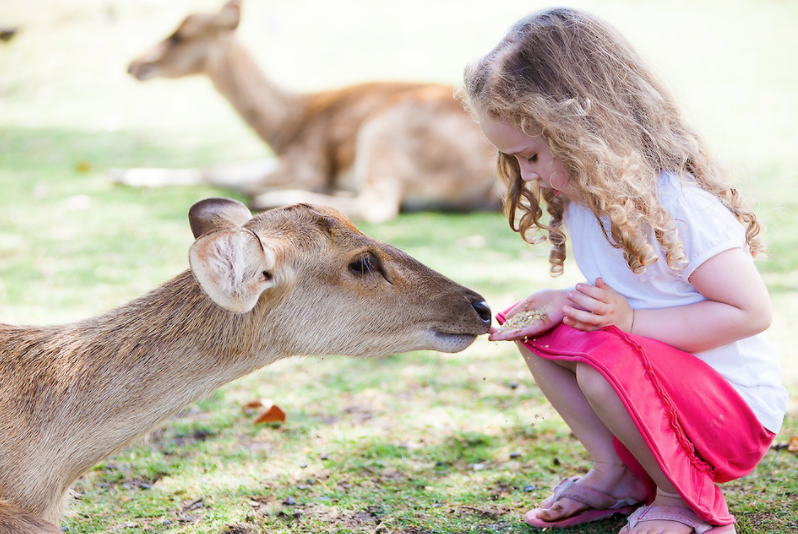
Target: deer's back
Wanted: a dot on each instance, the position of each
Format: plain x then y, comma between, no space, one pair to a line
336,116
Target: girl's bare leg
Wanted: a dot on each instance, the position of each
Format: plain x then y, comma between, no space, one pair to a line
558,381
606,404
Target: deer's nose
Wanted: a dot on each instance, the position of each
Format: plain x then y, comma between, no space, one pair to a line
483,310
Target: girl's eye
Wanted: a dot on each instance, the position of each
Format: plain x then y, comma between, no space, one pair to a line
532,159
363,264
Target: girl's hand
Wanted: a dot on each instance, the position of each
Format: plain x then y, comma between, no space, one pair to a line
594,307
550,301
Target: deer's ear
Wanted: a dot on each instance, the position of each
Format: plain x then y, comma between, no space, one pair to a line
214,214
229,17
233,267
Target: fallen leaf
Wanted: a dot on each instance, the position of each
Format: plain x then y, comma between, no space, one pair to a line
272,415
83,166
792,444
259,403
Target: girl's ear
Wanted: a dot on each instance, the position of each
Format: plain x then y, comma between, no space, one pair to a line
233,267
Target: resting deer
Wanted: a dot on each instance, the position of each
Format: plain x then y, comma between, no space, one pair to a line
394,145
301,280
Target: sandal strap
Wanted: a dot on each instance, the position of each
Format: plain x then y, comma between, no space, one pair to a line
598,500
668,513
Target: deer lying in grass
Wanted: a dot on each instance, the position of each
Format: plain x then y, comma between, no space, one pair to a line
394,145
295,281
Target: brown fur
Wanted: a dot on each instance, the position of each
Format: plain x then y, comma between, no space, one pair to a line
393,145
73,394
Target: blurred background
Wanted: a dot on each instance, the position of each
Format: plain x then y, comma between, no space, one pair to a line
731,63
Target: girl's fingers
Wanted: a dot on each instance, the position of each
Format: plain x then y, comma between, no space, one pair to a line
586,302
581,316
579,325
517,335
594,307
581,300
516,309
598,293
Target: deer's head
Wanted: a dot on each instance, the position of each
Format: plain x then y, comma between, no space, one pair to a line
186,51
323,287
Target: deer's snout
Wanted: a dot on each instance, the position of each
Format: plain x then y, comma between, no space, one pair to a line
137,70
146,66
483,310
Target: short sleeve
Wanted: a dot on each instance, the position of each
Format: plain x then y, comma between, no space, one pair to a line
705,226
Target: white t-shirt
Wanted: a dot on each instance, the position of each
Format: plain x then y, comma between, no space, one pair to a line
706,228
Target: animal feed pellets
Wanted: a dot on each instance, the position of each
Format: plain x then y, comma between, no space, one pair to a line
523,319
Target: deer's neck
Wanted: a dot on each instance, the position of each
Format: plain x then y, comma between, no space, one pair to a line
270,110
133,367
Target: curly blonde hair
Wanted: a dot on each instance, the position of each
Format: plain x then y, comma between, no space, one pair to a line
608,120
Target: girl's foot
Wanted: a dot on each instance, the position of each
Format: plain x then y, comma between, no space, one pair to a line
663,526
615,480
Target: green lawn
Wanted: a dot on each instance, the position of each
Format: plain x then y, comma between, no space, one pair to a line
415,443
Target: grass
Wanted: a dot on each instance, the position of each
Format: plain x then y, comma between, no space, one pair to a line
415,443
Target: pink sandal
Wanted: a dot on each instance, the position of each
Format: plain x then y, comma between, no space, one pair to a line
674,513
602,506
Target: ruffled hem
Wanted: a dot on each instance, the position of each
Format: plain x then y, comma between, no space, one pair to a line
697,426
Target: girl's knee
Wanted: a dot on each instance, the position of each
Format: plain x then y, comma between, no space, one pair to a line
533,361
591,382
529,357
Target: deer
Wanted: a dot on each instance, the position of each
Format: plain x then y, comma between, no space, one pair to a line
370,150
298,280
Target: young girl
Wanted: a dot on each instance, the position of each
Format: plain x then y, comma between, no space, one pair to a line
657,363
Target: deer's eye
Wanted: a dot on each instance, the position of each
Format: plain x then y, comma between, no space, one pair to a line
365,263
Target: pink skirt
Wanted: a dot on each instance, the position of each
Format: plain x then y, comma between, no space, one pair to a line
697,426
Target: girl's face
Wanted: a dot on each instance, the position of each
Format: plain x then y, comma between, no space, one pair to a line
532,153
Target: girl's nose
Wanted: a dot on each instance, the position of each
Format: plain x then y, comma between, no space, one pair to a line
529,176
